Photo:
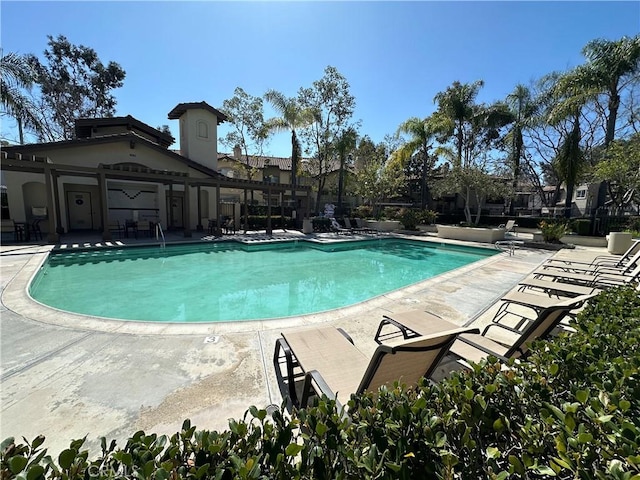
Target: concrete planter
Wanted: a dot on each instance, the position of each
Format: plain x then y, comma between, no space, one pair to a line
428,228
618,242
471,234
384,225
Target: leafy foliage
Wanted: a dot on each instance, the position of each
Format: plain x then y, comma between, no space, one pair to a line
74,84
552,232
248,131
570,410
330,102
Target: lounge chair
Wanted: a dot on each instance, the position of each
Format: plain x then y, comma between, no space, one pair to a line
617,268
559,289
348,225
331,365
509,227
363,226
338,229
600,280
475,348
115,227
144,227
608,260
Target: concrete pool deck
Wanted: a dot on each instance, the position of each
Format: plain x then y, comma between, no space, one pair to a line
68,376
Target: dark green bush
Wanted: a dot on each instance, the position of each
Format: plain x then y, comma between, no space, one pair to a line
552,231
363,211
321,224
427,217
570,410
581,226
408,218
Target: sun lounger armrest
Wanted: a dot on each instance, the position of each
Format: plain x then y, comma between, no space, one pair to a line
484,349
506,327
311,378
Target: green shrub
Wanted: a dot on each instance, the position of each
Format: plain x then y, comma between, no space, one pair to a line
427,217
321,224
552,232
363,211
390,213
581,226
408,218
570,410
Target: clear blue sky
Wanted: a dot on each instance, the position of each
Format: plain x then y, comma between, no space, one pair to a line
395,55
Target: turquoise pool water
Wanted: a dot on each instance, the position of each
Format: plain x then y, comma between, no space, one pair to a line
231,281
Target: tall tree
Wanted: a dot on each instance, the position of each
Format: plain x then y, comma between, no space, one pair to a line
292,118
332,105
472,130
570,163
345,145
611,64
620,168
421,135
16,78
524,113
377,176
74,84
568,97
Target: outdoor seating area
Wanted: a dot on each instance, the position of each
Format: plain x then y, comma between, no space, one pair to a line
324,360
331,365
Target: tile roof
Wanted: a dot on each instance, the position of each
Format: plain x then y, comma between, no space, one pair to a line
179,110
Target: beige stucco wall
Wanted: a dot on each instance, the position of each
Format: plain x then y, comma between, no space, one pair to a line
195,146
111,153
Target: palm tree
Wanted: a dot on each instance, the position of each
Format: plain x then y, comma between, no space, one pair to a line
609,64
570,162
292,117
346,143
16,76
567,96
421,135
473,129
524,112
456,110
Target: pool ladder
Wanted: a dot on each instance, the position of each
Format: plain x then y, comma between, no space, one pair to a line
159,229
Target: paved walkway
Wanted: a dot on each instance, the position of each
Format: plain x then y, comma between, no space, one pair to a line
68,376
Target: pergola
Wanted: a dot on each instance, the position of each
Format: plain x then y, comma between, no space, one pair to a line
52,171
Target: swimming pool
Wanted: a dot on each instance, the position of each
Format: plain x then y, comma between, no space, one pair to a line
230,281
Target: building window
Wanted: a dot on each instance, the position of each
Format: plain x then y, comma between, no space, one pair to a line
227,172
581,193
203,129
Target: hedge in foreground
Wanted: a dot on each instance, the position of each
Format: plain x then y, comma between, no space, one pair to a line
572,410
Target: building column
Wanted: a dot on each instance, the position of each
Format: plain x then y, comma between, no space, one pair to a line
104,207
52,235
282,210
170,209
56,202
218,205
199,227
187,209
269,229
245,219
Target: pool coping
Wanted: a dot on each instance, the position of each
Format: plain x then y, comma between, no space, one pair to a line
16,298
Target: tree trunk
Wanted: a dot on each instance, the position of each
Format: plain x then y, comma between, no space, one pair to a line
614,104
569,200
294,171
467,210
517,153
